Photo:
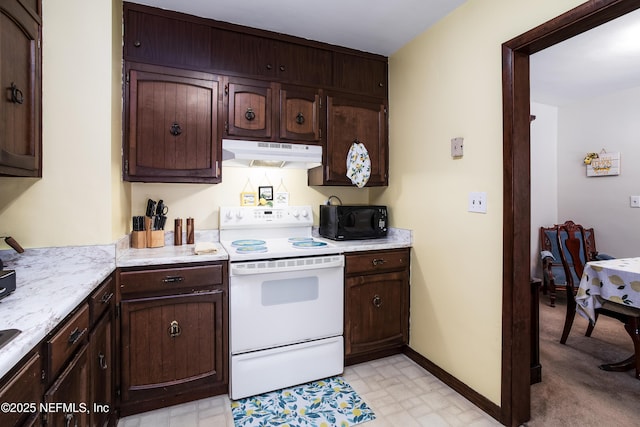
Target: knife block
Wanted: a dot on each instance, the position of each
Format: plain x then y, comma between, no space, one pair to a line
156,240
138,239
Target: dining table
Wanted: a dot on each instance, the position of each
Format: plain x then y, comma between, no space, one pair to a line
613,285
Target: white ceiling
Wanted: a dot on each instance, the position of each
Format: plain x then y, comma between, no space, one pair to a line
602,60
376,26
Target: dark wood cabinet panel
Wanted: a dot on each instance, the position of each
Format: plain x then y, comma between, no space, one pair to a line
297,63
71,389
376,304
300,118
163,40
249,109
25,387
101,372
172,125
171,345
350,118
360,74
20,76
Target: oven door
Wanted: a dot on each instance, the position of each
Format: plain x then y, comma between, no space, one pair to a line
279,302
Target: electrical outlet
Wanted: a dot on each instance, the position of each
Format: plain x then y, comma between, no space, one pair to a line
478,202
456,147
635,201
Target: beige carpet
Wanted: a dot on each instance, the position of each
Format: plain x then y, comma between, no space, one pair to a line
574,391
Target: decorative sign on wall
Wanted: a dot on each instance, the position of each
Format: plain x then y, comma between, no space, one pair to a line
603,164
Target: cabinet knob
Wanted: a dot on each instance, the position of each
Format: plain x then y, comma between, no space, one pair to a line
68,419
376,301
175,129
282,68
249,115
300,118
174,329
137,43
17,97
269,67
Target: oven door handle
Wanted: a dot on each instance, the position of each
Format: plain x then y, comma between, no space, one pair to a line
286,265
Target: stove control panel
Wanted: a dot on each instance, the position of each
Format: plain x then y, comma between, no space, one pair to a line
248,216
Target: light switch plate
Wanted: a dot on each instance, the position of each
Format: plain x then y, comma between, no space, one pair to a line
478,202
456,147
635,201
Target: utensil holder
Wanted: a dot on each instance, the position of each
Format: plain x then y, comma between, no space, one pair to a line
138,239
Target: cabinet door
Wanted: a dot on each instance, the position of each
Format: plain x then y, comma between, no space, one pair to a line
101,366
20,77
350,119
172,126
165,40
71,391
376,312
23,388
300,114
302,64
242,54
359,74
249,109
171,345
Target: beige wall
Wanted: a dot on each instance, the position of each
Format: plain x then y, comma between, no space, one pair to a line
78,199
446,83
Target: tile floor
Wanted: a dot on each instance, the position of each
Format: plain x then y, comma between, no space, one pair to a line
399,391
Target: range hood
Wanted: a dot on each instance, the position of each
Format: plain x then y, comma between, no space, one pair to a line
273,154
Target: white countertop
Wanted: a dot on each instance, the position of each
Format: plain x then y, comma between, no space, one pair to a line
52,282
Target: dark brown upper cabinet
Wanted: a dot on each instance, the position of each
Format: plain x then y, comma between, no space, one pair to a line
171,120
351,118
300,118
164,39
20,76
249,109
367,75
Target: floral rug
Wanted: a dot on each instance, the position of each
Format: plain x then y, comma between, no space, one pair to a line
325,403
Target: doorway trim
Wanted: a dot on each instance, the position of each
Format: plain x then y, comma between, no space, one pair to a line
516,322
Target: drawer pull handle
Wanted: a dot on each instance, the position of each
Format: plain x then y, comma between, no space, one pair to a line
376,301
102,360
249,114
300,118
173,279
106,298
378,261
174,329
175,129
68,418
75,335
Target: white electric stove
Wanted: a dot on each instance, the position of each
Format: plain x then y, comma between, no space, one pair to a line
286,293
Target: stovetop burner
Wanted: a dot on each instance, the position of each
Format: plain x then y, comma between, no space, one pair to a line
257,233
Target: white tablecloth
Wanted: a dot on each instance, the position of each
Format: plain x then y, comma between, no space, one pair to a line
614,280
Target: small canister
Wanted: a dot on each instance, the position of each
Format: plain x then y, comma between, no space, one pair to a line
190,232
177,232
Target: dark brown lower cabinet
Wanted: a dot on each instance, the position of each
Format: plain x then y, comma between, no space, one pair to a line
101,367
25,386
376,304
69,392
173,349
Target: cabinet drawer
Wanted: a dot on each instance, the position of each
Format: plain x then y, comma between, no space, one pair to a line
100,300
170,280
371,262
67,340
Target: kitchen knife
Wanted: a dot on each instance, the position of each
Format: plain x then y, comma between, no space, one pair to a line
151,207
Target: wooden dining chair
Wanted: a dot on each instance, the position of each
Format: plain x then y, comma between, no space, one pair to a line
575,251
554,277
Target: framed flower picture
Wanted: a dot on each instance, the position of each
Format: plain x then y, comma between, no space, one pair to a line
248,199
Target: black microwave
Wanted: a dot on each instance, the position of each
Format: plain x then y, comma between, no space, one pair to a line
353,222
